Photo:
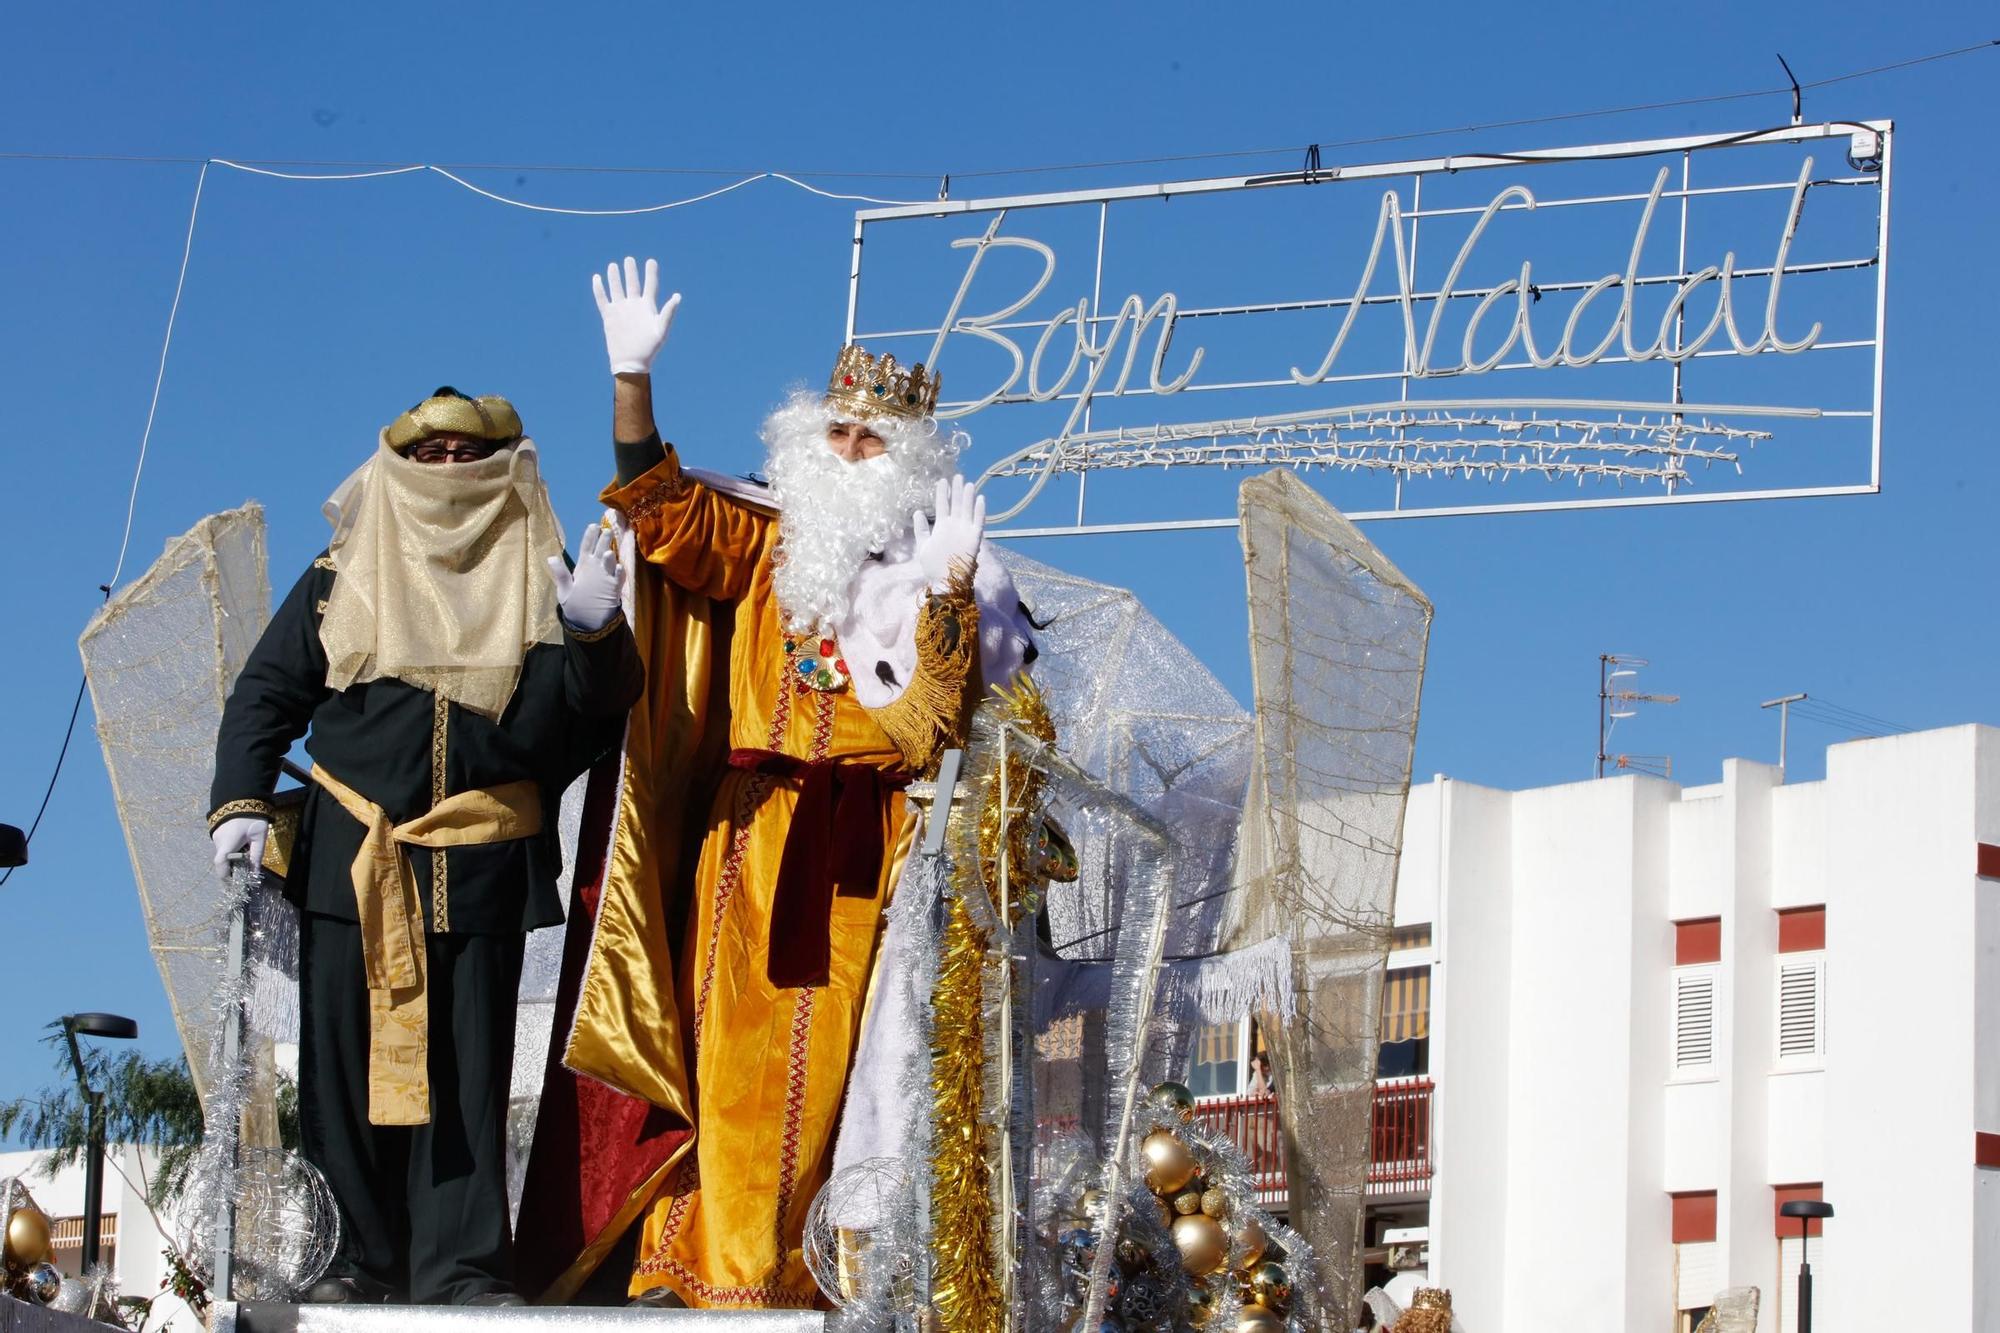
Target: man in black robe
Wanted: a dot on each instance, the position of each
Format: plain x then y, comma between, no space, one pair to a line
451,675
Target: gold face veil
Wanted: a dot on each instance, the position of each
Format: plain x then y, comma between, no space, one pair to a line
442,581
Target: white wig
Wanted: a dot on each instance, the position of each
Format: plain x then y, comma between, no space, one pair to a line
832,514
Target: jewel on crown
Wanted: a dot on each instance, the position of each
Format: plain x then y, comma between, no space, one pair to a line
868,386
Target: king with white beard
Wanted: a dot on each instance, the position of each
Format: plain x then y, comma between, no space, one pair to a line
811,648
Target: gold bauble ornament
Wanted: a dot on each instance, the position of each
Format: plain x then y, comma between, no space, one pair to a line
1256,1319
1252,1241
1214,1203
1173,1097
1203,1245
1087,1202
1169,1164
1271,1288
27,1241
1200,1306
1165,1209
1186,1202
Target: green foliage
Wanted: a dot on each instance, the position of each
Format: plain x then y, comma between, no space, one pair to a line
148,1102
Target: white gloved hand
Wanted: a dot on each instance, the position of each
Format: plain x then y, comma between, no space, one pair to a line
954,536
635,325
589,595
244,833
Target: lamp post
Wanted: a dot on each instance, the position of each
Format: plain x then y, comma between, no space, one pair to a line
1807,1211
13,847
93,1025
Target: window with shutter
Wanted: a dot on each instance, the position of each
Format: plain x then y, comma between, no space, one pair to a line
1697,1274
1694,1022
1801,1009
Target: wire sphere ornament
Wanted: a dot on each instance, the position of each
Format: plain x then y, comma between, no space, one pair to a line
287,1226
855,1232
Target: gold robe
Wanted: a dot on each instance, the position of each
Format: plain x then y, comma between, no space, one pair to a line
770,1063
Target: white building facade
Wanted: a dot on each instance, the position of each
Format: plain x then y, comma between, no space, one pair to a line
1656,1013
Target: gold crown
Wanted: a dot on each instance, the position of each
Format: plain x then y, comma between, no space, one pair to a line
872,388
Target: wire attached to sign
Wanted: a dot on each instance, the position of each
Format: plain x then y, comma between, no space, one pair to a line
1798,100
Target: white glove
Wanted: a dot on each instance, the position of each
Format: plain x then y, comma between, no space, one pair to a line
589,596
244,833
955,535
635,327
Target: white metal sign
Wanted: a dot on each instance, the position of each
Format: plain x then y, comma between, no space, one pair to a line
1668,321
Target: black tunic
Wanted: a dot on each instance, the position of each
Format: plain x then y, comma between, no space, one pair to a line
405,750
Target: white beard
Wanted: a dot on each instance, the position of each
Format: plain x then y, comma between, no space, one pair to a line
832,514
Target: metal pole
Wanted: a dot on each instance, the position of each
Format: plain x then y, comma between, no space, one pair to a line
230,1130
1784,707
1805,1279
1603,703
93,1176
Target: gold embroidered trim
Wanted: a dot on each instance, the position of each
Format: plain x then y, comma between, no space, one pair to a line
927,718
440,875
672,486
321,606
609,628
325,562
231,809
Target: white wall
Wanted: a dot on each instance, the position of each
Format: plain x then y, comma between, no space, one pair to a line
1743,1226
1899,1013
1986,1043
1470,1055
1581,907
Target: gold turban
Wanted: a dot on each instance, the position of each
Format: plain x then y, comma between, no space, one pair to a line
449,412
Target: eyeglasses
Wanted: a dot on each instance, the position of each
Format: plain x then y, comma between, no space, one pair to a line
432,451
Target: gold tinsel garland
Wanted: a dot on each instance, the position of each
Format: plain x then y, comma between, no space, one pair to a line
965,1290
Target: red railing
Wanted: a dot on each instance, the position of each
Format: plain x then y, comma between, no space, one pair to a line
1399,1160
1399,1157
1252,1124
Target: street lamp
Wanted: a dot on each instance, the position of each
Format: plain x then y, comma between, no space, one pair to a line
13,847
93,1025
1807,1211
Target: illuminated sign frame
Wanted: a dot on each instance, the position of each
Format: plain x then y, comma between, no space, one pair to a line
1085,353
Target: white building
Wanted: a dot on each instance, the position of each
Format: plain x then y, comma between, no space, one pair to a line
1656,1012
130,1242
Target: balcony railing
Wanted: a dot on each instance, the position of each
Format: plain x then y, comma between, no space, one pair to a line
1251,1122
1399,1159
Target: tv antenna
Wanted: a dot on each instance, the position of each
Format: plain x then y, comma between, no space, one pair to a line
1615,702
1784,707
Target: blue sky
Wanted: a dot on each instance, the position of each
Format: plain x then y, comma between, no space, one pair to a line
314,312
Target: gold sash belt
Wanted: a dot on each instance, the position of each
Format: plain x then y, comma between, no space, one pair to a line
392,926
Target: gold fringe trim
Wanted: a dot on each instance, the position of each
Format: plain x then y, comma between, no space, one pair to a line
928,718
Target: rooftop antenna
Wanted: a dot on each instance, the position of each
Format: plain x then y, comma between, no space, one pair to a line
1784,707
1615,702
